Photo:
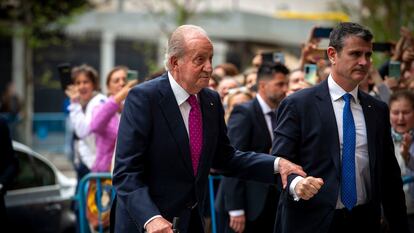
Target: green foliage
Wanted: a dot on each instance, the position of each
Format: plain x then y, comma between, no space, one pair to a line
383,17
40,22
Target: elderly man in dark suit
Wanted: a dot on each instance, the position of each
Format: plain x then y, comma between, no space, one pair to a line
342,138
171,133
8,167
248,206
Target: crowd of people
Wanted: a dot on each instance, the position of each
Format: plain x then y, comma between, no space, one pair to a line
260,114
320,157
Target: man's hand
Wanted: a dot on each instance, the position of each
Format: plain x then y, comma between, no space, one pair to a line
308,187
237,223
286,168
159,225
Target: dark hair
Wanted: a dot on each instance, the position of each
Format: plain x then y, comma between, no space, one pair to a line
267,70
403,94
229,69
90,73
344,30
115,69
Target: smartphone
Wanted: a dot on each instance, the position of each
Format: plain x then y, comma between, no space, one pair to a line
310,73
381,47
394,70
322,32
132,75
64,70
273,57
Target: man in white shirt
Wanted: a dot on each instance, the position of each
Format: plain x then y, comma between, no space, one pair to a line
248,206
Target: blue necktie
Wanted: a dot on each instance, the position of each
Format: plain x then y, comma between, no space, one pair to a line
348,191
272,115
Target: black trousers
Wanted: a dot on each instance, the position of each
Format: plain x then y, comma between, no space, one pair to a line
263,223
361,219
195,226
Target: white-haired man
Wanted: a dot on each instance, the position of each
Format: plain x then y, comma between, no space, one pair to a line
171,133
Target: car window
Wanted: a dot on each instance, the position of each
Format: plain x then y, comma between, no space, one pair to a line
32,172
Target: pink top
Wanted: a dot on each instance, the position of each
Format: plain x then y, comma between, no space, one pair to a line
104,124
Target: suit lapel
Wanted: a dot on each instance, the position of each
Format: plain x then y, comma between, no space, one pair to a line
369,115
261,121
327,116
172,115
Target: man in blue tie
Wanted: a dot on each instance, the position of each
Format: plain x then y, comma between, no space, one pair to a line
341,137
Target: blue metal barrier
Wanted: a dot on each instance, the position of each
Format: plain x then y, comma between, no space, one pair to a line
82,193
211,178
81,199
407,179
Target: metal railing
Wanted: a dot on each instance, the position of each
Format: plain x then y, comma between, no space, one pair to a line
81,196
408,179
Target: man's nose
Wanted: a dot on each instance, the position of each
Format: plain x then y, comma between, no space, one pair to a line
208,67
285,88
364,60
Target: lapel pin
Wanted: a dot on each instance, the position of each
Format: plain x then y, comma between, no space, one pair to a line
211,104
369,106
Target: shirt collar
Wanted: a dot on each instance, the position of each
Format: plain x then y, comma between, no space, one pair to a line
337,91
263,105
180,94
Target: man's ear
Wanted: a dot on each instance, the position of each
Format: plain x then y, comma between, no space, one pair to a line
331,51
173,62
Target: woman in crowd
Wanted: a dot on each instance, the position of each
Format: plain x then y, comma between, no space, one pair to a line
106,117
402,125
84,97
235,97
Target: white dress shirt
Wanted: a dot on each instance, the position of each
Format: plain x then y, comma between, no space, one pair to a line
266,110
361,143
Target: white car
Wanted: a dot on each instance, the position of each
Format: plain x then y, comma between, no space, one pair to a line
41,196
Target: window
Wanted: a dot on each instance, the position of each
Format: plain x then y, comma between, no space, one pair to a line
32,172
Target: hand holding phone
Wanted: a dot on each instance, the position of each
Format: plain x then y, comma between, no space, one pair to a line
132,75
394,70
321,32
310,73
64,70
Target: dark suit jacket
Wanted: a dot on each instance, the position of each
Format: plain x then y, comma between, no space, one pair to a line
8,163
307,134
247,131
153,174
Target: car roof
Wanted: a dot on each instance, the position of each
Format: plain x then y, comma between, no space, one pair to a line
23,148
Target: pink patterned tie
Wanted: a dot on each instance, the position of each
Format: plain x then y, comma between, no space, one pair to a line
195,126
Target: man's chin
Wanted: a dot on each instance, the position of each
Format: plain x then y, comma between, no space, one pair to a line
359,76
203,82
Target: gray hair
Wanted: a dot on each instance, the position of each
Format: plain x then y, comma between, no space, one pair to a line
177,42
344,30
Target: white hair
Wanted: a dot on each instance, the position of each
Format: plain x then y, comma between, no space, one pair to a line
177,42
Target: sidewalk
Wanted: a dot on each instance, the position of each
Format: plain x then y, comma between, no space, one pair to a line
61,162
52,147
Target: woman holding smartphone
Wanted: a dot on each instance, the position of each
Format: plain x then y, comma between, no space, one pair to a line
106,117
